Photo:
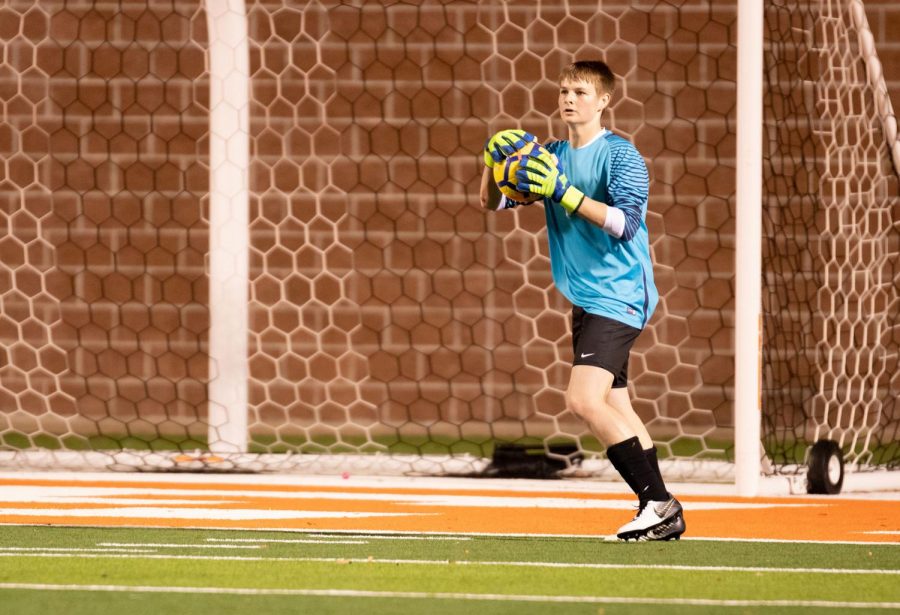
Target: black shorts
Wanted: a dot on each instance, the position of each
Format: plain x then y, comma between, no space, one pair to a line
604,343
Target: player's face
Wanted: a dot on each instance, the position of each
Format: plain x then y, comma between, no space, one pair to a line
580,103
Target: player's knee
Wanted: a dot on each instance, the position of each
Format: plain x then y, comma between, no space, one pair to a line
584,406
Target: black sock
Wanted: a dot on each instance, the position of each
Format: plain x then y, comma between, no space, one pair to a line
616,455
629,460
652,459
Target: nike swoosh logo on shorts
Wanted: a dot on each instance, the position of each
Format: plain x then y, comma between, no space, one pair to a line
586,355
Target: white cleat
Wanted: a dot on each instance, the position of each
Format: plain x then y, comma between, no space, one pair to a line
655,521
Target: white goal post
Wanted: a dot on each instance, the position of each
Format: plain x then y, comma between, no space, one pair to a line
875,76
748,256
229,224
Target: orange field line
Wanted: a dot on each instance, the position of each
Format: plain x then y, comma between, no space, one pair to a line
807,518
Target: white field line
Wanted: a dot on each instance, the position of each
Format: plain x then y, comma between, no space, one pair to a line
238,482
411,534
232,558
175,545
224,514
112,500
427,562
587,487
113,496
349,593
330,539
76,550
791,541
300,541
884,532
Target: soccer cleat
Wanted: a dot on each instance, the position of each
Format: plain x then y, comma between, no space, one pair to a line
670,529
655,521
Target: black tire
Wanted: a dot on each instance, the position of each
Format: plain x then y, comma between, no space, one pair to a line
825,473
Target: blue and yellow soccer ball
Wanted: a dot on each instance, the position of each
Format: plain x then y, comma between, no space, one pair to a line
505,173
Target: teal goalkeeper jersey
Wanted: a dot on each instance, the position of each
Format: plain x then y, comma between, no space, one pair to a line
604,275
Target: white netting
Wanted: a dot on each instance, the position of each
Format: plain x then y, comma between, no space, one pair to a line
105,120
390,313
832,243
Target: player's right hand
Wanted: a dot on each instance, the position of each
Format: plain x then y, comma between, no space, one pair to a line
505,143
542,174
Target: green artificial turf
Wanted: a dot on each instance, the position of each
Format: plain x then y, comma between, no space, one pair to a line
448,565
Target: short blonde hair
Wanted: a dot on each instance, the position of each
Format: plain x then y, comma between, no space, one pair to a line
591,71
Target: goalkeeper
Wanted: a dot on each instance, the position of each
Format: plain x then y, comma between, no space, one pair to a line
595,187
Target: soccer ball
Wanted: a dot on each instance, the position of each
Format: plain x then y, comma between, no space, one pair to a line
505,174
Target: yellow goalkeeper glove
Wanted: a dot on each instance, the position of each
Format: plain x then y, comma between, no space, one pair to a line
543,175
505,143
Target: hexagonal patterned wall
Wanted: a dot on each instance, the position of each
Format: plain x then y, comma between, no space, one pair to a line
104,289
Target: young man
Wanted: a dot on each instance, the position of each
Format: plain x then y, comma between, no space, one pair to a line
595,187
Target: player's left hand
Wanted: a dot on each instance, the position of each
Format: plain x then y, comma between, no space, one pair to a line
505,143
543,175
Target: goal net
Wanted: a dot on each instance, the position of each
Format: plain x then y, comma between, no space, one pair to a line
394,326
831,239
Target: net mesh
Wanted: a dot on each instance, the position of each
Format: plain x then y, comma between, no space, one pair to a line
103,285
831,246
390,317
390,313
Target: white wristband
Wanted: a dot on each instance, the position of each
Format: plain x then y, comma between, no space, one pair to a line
615,222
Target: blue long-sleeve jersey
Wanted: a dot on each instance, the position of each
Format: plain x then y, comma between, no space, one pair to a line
606,276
